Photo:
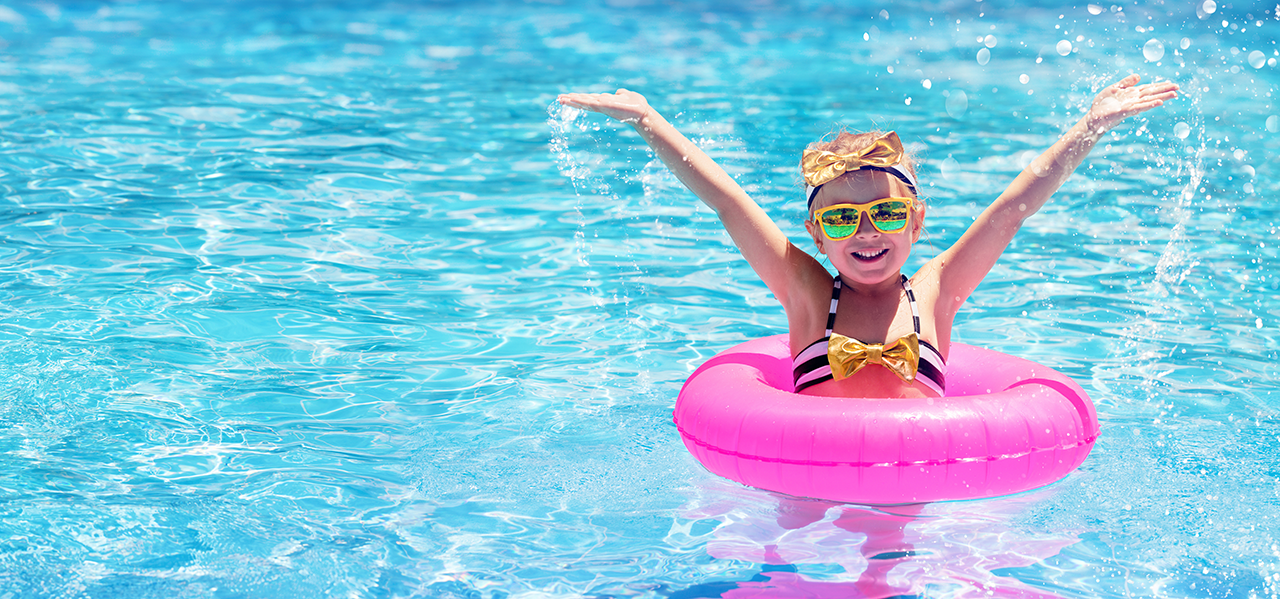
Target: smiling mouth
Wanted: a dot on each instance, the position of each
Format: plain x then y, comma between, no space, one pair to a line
869,256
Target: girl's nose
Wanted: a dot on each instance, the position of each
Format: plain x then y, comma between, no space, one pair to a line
865,228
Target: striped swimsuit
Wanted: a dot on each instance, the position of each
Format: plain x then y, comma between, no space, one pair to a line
811,366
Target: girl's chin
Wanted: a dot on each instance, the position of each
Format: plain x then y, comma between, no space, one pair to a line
863,276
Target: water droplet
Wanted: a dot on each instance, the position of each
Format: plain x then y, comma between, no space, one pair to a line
949,166
1064,47
957,103
1273,123
1094,9
1024,79
984,56
989,41
1186,43
1238,154
890,68
1257,59
1258,323
908,101
1209,7
1153,50
1181,130
927,84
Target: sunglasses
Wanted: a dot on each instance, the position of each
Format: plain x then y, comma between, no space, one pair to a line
889,215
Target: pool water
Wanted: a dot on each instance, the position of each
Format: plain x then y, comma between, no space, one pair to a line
330,299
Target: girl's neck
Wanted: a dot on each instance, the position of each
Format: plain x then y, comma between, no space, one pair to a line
891,286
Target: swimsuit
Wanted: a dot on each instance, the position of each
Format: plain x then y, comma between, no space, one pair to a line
812,365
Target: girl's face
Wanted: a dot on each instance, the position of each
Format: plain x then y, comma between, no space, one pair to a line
869,256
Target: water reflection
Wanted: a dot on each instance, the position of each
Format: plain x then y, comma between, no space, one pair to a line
810,548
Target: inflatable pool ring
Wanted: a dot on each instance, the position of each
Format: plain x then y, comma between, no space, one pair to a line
1006,425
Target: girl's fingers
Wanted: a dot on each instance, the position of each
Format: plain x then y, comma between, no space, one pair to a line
1163,96
1127,81
1157,88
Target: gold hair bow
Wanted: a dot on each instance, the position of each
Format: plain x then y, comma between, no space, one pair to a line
848,356
820,166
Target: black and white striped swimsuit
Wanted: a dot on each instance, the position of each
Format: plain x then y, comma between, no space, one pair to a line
812,367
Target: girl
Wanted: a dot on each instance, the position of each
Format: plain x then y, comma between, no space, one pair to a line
872,331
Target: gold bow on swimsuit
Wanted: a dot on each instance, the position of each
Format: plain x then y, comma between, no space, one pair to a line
820,166
848,356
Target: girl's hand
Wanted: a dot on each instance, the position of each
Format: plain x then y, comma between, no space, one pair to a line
1125,99
626,106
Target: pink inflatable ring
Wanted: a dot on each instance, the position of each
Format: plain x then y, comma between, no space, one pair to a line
1006,425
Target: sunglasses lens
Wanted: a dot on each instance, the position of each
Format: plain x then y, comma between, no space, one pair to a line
840,223
889,217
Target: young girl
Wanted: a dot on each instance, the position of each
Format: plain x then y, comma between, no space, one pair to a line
872,331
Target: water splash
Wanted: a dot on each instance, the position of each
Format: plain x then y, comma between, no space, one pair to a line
563,120
1175,262
1144,352
618,267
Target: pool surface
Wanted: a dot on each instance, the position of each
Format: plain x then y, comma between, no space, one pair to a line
331,299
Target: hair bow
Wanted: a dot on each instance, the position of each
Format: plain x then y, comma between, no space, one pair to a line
821,166
848,356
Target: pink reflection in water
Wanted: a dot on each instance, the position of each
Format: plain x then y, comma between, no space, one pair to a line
947,549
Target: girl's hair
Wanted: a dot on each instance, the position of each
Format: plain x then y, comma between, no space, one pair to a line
846,142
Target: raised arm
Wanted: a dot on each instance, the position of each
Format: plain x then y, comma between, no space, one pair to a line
782,266
962,267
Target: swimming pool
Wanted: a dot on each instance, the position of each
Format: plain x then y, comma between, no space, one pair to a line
326,299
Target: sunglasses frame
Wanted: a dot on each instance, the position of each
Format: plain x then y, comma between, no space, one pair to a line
864,209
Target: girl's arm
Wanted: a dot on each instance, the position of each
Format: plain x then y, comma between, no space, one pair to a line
780,264
962,267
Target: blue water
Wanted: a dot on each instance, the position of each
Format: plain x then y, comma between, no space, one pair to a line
329,299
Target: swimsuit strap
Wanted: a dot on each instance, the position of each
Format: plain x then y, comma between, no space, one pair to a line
906,286
835,301
911,298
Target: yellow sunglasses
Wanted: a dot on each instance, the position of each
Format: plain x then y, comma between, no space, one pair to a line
889,215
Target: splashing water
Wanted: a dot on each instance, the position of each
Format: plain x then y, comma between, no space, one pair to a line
576,166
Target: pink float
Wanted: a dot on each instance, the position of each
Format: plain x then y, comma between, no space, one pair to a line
1006,425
